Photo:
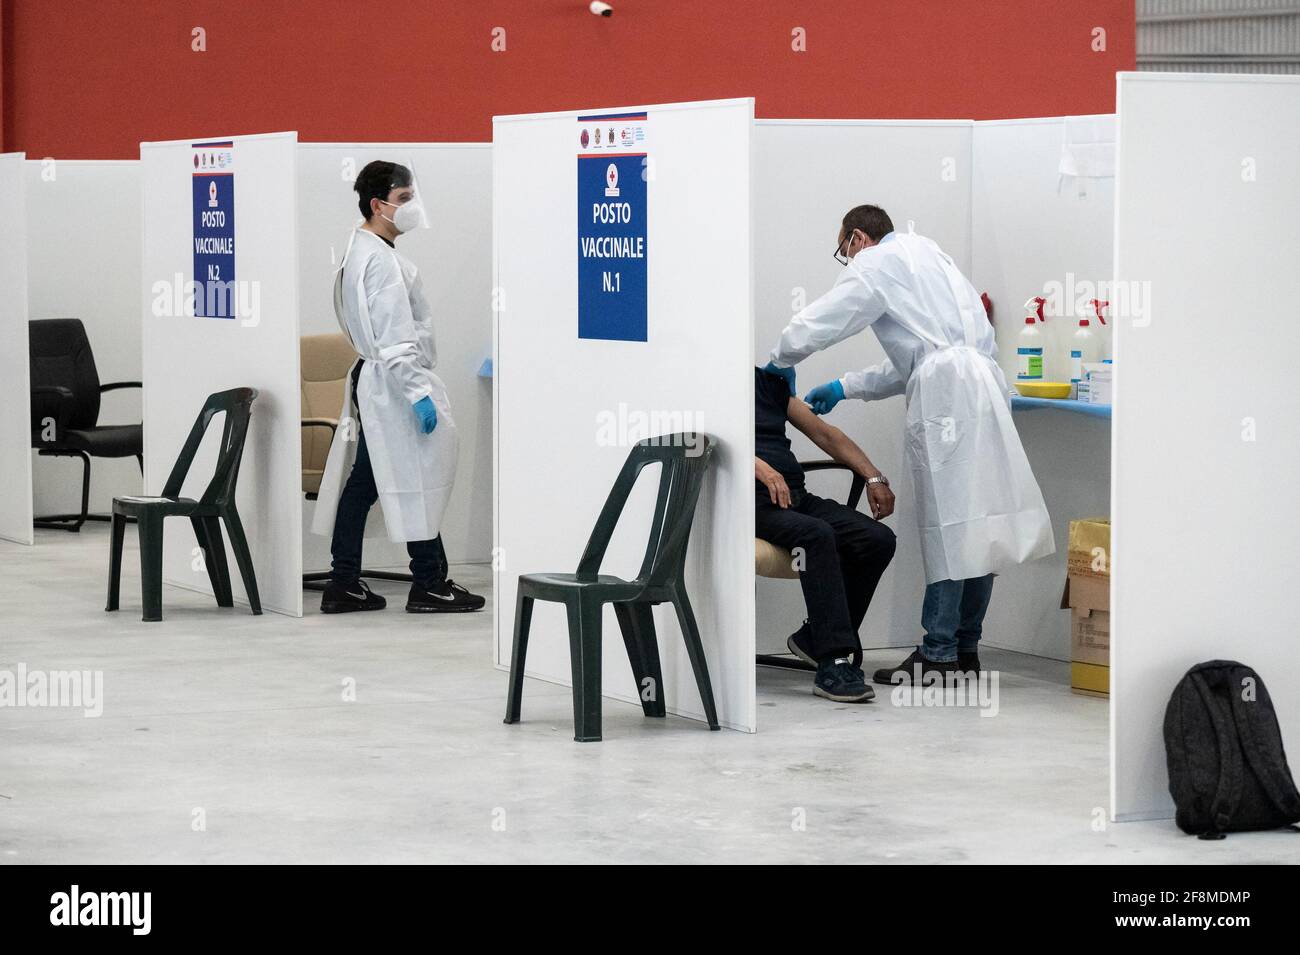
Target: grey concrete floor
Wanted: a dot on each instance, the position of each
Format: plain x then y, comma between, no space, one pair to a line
226,738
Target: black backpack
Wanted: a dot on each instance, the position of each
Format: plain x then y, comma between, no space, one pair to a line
1227,767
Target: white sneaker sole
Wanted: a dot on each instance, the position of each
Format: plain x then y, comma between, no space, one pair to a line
794,648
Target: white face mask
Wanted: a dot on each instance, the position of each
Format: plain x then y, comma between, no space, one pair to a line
409,215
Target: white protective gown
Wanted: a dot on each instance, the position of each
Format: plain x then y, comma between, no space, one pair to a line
380,305
978,505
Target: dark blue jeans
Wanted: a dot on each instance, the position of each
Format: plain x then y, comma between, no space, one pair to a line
953,617
428,559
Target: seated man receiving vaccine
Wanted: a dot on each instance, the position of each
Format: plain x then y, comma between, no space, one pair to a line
842,552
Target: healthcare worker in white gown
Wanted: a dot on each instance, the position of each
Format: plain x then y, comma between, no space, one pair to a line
978,506
396,440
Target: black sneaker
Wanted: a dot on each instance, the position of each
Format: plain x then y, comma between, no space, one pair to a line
445,597
969,662
914,665
354,595
841,681
798,644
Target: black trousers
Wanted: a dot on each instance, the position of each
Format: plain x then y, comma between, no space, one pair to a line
840,553
428,559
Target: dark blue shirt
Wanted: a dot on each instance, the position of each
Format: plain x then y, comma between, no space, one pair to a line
771,405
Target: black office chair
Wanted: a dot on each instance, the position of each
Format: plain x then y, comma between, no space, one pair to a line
684,459
206,514
65,409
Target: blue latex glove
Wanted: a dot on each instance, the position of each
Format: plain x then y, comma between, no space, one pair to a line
427,414
825,397
786,373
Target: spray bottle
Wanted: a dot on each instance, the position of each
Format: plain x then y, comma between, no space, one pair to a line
1029,345
1085,346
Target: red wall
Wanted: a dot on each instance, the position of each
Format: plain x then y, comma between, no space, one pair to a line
90,80
4,72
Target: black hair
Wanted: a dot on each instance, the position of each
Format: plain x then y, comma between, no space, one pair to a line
872,221
377,180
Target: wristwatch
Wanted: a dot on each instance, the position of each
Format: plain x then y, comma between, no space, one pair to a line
879,479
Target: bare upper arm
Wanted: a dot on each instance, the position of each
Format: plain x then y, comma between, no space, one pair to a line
802,417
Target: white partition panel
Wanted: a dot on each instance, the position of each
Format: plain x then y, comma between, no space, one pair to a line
807,174
565,408
90,272
455,261
15,412
186,358
1206,450
1034,234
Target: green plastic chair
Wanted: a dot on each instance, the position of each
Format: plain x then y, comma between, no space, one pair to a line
684,459
217,504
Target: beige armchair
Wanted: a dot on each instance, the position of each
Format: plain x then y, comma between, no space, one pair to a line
325,362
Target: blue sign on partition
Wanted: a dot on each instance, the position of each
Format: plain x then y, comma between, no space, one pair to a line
612,173
214,230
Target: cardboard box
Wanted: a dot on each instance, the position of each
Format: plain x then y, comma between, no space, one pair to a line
1090,637
1087,596
1090,650
1089,550
1088,600
1089,680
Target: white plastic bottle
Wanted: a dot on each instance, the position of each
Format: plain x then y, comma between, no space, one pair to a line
1029,345
1085,347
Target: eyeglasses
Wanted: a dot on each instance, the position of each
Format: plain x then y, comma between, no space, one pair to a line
839,255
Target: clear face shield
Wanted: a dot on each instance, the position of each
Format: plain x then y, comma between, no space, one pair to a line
404,207
401,196
403,191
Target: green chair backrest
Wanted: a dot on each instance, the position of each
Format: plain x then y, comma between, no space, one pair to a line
237,403
685,459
